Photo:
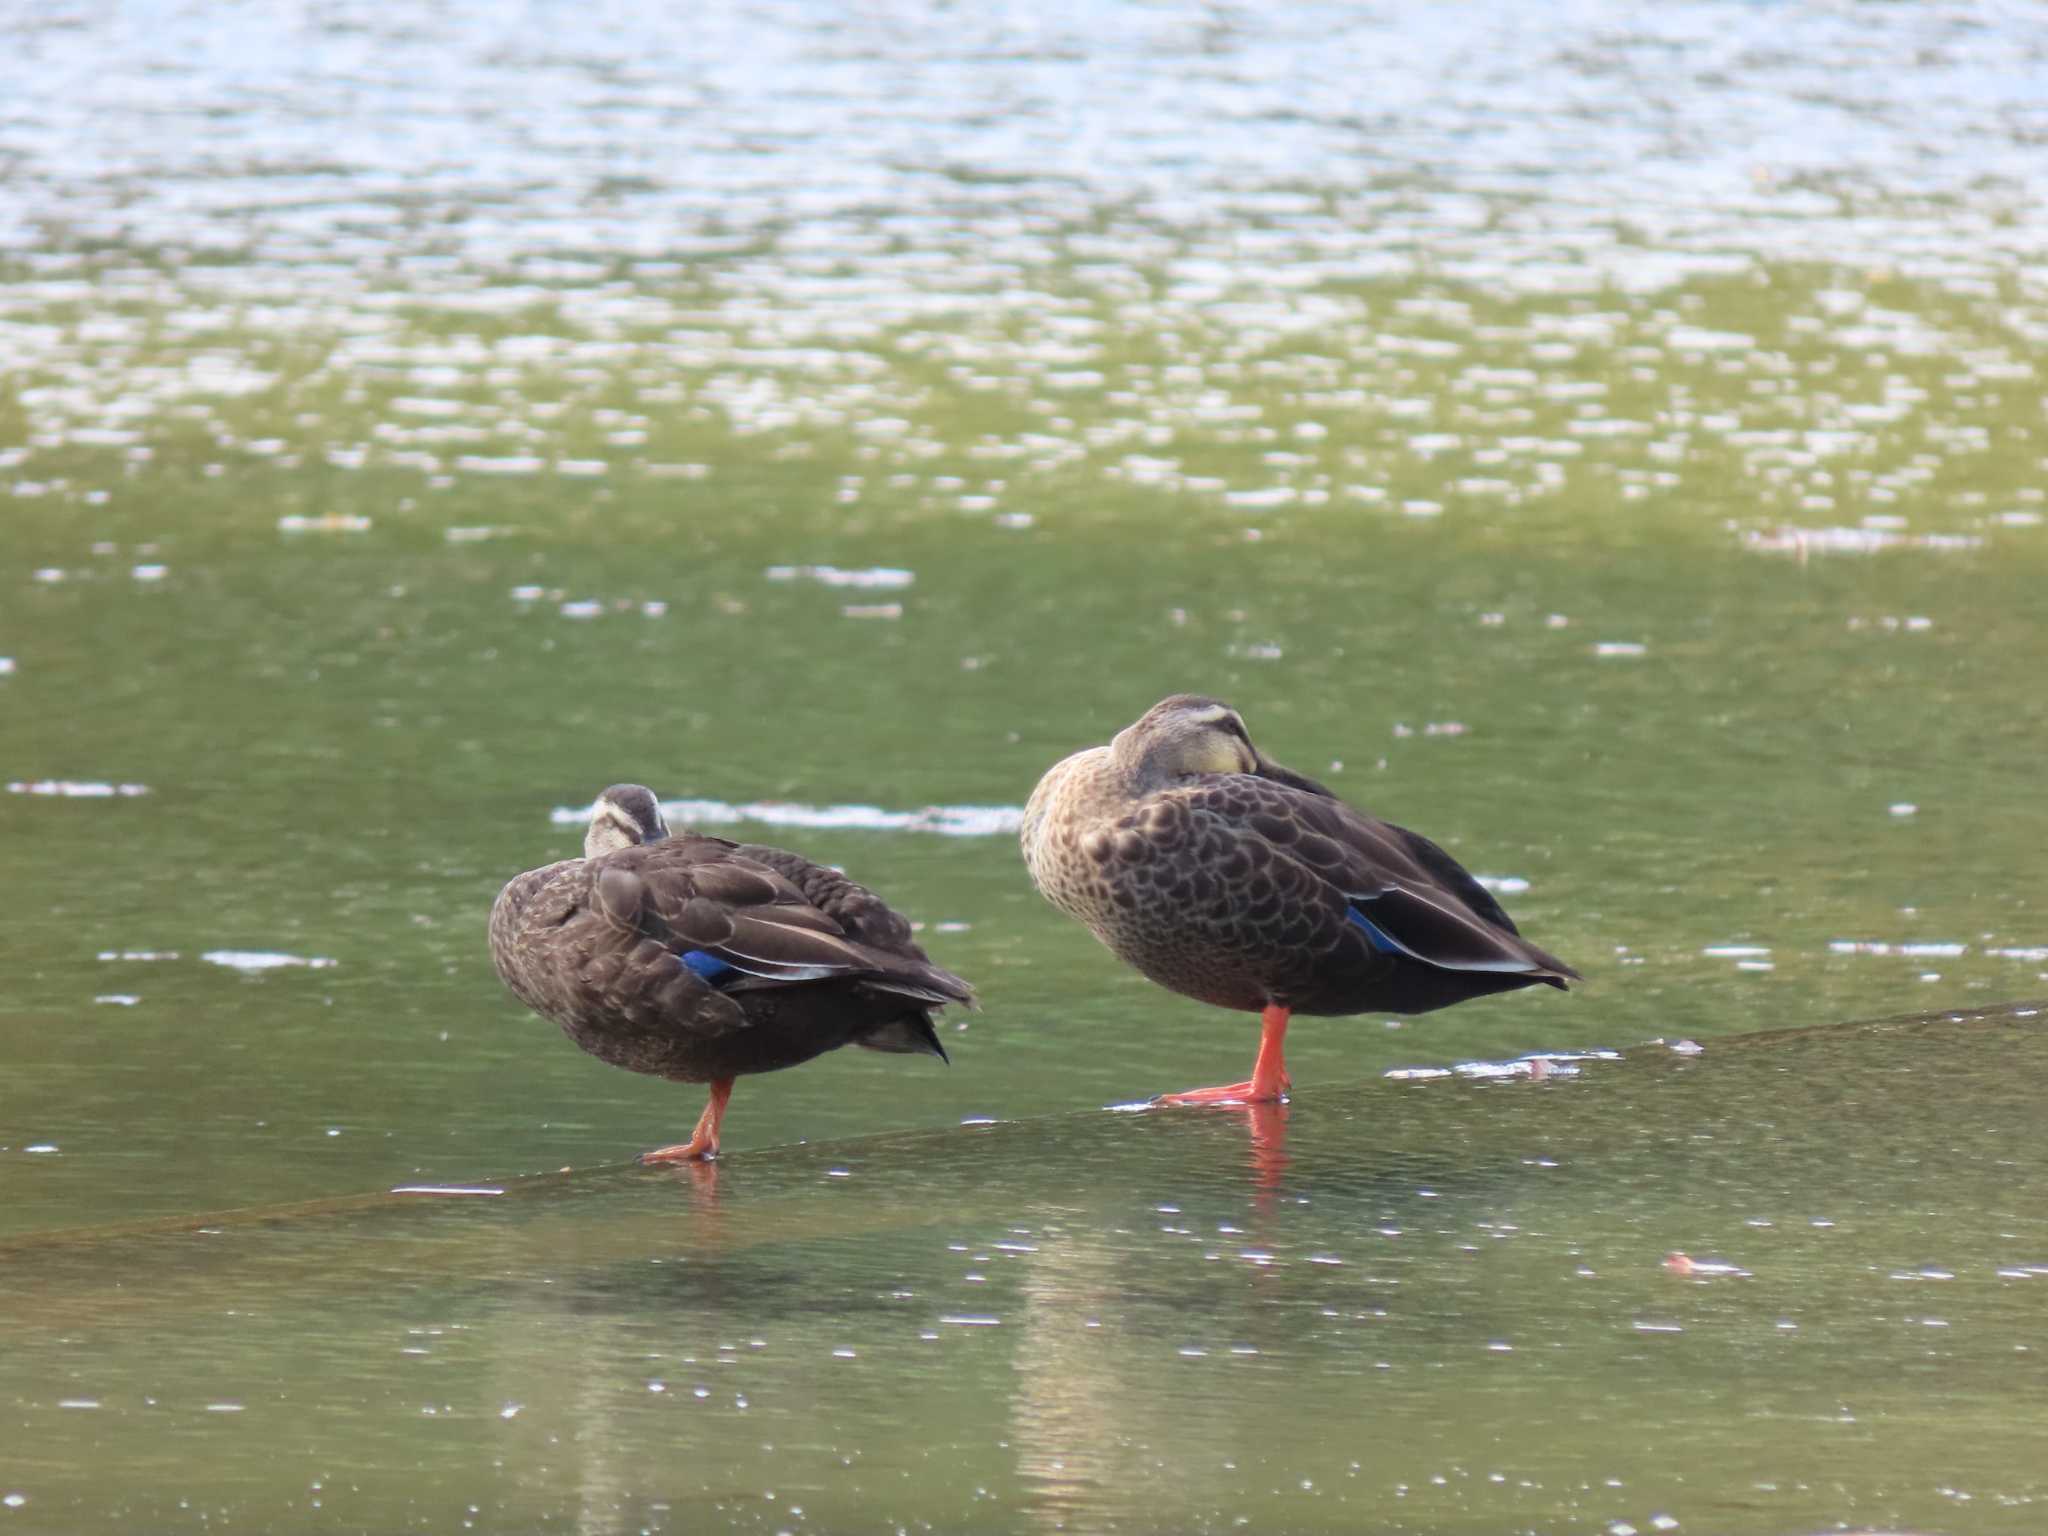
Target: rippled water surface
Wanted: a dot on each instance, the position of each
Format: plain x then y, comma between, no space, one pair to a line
1609,440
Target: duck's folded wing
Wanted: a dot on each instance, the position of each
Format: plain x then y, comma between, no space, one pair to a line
861,915
1399,890
880,933
1423,926
741,924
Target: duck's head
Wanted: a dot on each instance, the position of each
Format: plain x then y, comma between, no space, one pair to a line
1183,735
625,816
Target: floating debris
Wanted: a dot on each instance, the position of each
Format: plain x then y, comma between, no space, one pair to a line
877,578
1704,1269
1403,731
251,962
1538,1065
946,820
452,1190
72,789
326,522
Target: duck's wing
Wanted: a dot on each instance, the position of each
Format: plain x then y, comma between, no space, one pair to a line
741,925
1399,890
864,916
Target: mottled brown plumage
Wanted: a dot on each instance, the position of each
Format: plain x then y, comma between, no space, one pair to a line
1230,879
702,960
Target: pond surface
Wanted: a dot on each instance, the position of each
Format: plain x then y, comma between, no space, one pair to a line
1610,443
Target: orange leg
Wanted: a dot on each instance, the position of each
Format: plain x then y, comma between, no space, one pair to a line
1269,1082
703,1143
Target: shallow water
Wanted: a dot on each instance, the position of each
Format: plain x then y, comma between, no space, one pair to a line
1609,442
1785,1283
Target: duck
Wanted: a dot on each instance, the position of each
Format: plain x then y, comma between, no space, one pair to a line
1227,878
702,960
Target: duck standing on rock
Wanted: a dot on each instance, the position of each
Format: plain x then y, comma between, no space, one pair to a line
702,960
1232,880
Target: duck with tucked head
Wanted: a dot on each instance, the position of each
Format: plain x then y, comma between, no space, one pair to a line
1227,878
702,960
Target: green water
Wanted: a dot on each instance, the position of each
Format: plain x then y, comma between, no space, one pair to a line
1443,1305
1639,490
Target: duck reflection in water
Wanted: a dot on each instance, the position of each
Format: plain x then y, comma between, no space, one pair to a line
1268,1158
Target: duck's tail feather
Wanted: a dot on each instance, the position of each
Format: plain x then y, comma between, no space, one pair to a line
911,1034
922,980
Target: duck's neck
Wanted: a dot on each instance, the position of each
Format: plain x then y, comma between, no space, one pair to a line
1075,790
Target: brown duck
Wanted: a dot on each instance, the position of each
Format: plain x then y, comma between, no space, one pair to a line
1232,880
702,960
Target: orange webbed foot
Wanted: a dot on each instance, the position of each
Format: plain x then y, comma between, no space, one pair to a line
1269,1081
702,1146
698,1149
1252,1092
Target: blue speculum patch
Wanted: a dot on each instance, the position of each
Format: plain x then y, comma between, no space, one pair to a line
705,964
1380,941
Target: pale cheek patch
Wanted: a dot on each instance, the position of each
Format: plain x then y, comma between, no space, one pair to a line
1221,755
